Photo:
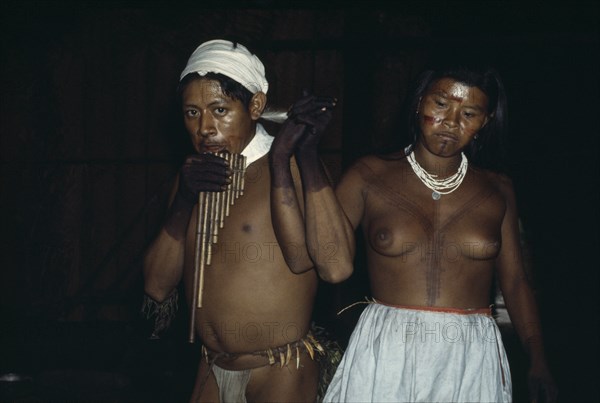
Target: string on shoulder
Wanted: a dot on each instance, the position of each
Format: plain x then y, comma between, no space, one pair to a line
275,115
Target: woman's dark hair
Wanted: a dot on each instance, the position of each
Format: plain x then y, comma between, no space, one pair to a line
487,150
229,86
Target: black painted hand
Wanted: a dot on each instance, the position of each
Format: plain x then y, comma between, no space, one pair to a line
306,123
202,173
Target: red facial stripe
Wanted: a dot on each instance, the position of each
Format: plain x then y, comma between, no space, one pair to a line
431,120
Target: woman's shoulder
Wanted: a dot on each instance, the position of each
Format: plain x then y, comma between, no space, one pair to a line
500,181
365,171
379,162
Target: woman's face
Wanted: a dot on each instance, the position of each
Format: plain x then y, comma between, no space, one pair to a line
214,121
450,115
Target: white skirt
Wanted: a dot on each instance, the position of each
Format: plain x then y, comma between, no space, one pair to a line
399,354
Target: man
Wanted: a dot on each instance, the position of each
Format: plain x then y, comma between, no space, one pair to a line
255,316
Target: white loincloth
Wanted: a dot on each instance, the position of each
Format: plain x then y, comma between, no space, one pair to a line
413,355
232,384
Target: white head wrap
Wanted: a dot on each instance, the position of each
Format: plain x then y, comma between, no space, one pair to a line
234,61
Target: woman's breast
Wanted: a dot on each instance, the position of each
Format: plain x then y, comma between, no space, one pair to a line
403,236
395,236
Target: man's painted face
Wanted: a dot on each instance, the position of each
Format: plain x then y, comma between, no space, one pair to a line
450,115
214,121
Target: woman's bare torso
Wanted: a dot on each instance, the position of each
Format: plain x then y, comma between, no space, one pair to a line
426,252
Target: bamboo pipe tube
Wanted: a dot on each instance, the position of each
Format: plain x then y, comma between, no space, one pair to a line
213,207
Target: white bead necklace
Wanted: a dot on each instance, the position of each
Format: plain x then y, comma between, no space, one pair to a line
439,186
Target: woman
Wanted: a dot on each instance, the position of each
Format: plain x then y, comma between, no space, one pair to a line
437,230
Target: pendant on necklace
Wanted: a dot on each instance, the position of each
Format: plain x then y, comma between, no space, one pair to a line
435,195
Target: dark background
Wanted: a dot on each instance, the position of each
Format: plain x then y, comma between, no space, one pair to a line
90,140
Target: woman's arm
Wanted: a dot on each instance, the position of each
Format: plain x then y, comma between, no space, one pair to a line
520,301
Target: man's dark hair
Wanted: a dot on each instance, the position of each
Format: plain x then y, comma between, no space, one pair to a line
230,87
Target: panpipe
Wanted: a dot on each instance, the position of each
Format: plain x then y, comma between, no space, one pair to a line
213,207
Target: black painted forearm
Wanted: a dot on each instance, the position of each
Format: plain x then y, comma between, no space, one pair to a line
281,175
313,174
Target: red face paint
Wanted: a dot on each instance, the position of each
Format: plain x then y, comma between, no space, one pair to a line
451,114
431,120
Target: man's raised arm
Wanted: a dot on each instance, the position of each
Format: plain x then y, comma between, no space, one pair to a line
323,238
